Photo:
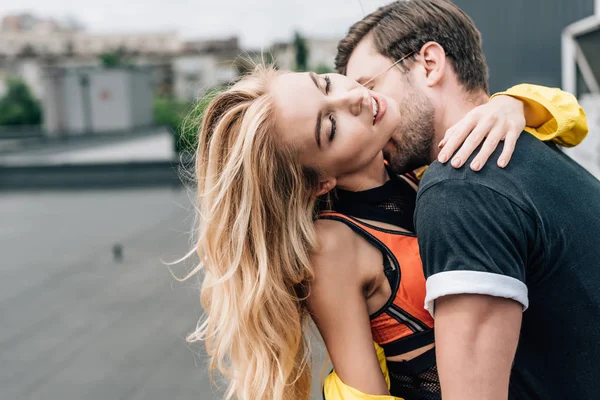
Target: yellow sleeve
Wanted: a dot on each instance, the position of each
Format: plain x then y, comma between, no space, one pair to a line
420,171
568,124
335,389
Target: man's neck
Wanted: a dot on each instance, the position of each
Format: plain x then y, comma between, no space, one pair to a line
451,109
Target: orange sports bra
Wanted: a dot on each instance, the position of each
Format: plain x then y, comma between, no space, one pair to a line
402,324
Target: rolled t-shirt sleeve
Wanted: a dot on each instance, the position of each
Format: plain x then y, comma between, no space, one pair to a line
473,240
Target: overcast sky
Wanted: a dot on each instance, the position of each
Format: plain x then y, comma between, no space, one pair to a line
256,22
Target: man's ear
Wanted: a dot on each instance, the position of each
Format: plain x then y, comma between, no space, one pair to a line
326,185
433,60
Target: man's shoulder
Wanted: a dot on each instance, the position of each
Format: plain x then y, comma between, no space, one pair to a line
438,172
528,152
440,175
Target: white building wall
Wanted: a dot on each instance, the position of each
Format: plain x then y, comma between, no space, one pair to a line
285,57
31,71
110,100
322,52
141,85
74,104
195,74
53,118
96,100
588,152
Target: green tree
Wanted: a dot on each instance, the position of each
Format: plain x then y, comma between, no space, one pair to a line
302,52
323,69
113,59
184,118
170,112
18,106
192,123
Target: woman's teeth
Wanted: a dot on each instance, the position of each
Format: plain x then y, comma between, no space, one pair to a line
375,108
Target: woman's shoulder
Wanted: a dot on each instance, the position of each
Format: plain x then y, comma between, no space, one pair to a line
336,239
339,250
333,235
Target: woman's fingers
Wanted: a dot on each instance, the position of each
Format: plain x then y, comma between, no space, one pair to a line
483,129
490,144
489,124
509,146
455,136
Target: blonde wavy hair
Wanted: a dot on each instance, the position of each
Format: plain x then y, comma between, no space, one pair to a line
256,233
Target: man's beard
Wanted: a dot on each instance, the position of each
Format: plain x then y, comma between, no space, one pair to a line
410,147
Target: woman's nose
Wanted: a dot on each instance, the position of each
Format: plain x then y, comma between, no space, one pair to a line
353,100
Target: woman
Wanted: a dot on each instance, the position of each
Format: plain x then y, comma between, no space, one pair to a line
263,160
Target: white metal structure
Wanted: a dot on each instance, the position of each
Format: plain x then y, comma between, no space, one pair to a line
573,57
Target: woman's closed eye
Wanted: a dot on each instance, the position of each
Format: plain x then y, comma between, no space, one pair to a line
333,128
331,118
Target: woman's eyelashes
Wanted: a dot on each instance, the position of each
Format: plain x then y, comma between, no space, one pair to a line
331,118
333,128
327,84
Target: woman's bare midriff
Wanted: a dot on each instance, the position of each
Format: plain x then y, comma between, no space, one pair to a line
411,354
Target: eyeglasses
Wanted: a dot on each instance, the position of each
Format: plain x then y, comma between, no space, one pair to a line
388,68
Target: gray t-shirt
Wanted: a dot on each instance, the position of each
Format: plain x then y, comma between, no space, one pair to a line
530,232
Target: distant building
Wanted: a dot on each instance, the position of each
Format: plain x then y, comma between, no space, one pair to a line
27,22
179,68
29,70
203,65
34,43
194,74
27,35
96,100
284,55
321,53
554,43
184,69
228,47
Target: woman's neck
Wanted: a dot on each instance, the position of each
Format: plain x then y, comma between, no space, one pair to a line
373,175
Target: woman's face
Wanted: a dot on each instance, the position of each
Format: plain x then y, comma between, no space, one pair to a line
338,125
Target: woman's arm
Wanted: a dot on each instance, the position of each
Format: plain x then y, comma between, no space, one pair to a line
547,113
551,114
335,389
338,305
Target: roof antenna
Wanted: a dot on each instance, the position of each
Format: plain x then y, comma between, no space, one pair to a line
361,8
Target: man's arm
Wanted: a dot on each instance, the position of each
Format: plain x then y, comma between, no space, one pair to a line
474,243
476,338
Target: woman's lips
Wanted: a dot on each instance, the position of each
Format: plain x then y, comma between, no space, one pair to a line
382,107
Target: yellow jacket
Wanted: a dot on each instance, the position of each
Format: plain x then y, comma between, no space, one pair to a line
567,127
335,389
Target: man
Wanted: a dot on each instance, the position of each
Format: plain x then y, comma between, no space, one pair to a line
511,255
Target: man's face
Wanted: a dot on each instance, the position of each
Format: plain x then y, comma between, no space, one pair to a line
410,146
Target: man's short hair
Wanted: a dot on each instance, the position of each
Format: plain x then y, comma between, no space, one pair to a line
403,27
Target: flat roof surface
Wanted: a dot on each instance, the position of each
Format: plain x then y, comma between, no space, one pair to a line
157,144
76,324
